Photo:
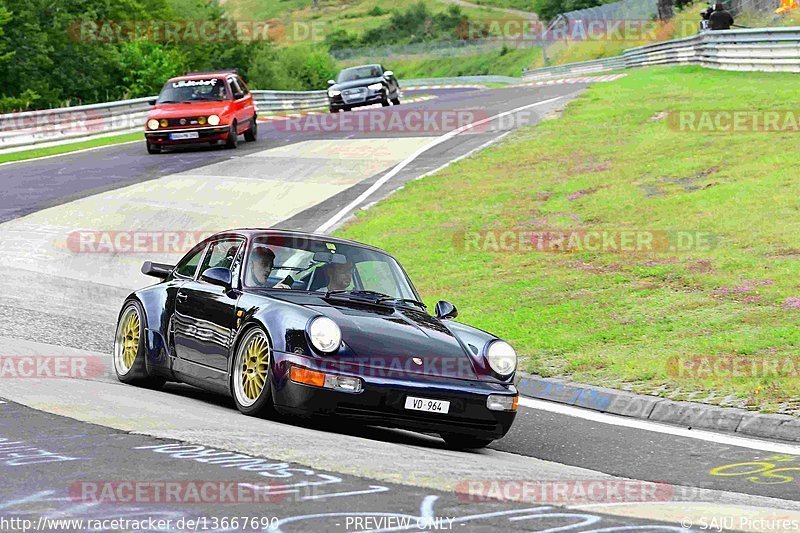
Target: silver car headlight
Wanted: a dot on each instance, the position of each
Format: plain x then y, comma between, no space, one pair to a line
333,93
152,124
375,87
502,357
324,334
213,120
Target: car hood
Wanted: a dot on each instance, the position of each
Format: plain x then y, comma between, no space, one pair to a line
357,83
188,110
398,338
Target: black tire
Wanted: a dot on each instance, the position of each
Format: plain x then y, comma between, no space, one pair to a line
152,149
233,137
252,132
385,102
396,101
465,442
242,365
335,109
128,337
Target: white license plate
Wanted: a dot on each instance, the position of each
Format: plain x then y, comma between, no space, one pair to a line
429,406
181,136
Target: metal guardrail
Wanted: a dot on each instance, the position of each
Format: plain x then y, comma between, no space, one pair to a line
34,127
762,49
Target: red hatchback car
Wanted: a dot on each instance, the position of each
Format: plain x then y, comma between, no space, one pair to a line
202,107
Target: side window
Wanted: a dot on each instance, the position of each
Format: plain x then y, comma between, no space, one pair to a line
376,276
188,265
235,87
242,85
221,254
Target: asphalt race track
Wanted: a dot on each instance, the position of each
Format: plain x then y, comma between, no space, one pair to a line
63,441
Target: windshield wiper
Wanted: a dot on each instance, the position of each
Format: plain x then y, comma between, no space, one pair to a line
175,102
405,301
358,292
381,297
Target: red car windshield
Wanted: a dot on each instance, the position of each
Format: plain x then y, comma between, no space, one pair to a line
200,90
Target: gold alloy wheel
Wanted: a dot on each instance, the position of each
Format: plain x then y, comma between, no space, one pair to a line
252,367
127,341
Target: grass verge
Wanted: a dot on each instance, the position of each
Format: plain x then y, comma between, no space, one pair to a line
503,62
626,319
71,147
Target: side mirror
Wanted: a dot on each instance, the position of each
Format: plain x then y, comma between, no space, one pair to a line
445,310
238,96
152,102
331,82
388,74
218,276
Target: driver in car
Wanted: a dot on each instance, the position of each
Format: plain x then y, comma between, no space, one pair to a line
340,276
262,262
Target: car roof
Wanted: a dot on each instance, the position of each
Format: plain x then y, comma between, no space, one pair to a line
202,76
363,66
272,232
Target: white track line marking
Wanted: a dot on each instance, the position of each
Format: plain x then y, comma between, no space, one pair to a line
656,427
410,159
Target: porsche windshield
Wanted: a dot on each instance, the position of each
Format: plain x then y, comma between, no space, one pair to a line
201,90
295,263
359,73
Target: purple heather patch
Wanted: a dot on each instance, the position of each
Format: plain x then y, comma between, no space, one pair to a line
792,302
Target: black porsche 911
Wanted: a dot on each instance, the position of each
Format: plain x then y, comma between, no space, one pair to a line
313,325
364,85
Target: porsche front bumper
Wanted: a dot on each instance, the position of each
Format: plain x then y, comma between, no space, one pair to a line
381,402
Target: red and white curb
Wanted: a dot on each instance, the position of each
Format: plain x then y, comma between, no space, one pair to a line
584,79
439,87
292,116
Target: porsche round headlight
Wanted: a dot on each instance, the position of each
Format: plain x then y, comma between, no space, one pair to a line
375,87
325,335
332,93
152,124
213,120
502,357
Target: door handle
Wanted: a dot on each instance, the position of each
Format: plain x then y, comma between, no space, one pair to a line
181,297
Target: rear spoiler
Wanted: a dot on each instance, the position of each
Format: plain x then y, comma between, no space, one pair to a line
157,270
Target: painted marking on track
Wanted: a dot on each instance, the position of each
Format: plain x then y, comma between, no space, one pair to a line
763,471
647,425
427,519
410,159
82,150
